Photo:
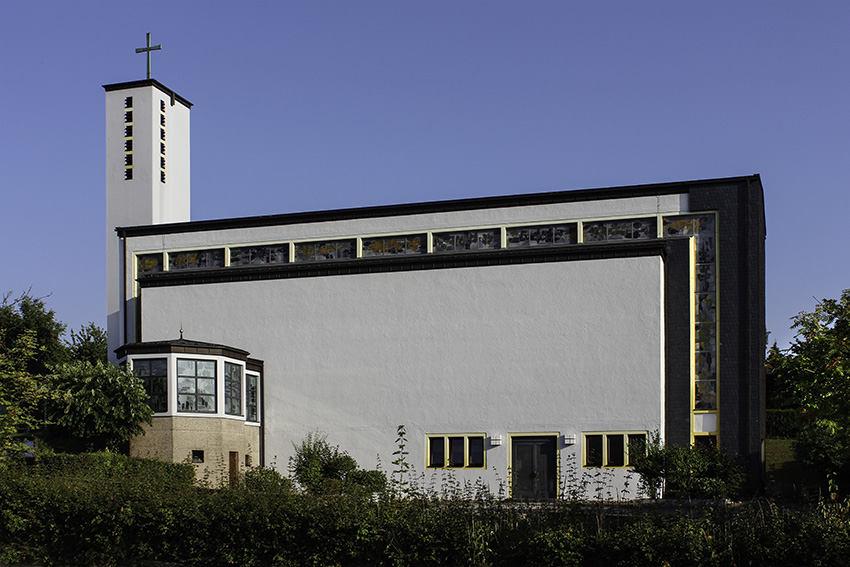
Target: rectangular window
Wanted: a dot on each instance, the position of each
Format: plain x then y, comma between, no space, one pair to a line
154,375
128,159
162,106
128,102
542,235
196,386
612,449
197,456
252,385
394,245
196,259
455,451
128,116
128,174
162,134
162,120
253,255
162,148
162,177
327,250
232,389
128,131
161,162
466,240
128,145
147,263
628,229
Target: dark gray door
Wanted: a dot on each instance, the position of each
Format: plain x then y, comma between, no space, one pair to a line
533,467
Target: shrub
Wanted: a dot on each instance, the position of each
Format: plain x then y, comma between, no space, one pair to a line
688,472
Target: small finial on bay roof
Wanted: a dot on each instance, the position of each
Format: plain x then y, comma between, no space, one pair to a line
148,50
181,332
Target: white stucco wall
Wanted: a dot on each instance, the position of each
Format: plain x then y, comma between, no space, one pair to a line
536,348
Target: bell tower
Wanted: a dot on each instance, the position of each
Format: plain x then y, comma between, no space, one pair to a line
147,180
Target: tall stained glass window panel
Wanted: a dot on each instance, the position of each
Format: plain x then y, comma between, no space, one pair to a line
702,228
252,397
154,375
232,389
196,386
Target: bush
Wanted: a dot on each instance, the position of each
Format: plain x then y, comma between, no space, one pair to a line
688,472
321,468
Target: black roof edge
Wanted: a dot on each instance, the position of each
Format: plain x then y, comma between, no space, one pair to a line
431,207
181,346
147,83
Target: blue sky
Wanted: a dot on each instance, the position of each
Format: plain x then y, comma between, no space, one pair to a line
328,104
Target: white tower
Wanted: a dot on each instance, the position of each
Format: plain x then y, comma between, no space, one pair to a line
147,182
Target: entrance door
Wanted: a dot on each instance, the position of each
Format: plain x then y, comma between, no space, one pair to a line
533,466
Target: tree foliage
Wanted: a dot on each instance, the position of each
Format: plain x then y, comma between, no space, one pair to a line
20,393
89,345
815,373
95,406
29,315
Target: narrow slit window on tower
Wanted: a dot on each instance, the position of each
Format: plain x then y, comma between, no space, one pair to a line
162,106
128,145
162,134
128,159
128,174
128,116
128,131
162,148
162,119
162,177
162,162
128,102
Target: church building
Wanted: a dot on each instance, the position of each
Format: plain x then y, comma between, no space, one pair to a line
515,337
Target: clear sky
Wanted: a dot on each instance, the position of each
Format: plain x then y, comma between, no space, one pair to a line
318,104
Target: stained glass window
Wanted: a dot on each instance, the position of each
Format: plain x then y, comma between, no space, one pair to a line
466,240
255,255
196,390
326,250
154,375
623,229
196,259
148,263
232,389
252,397
394,245
542,235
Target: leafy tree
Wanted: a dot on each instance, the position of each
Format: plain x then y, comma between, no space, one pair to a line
29,314
89,345
95,406
20,392
817,368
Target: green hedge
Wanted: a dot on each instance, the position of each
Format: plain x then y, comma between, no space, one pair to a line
111,510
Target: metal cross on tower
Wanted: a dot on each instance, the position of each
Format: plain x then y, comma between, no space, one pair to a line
148,50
